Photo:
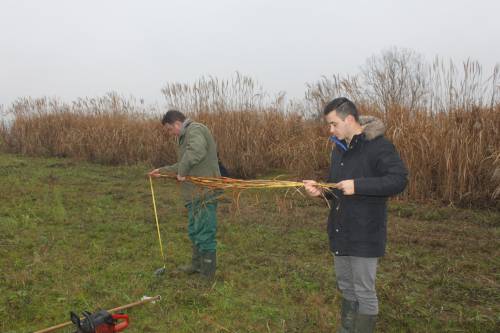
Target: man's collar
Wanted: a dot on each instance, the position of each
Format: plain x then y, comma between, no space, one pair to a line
185,125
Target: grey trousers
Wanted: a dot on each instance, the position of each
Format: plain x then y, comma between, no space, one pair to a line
356,280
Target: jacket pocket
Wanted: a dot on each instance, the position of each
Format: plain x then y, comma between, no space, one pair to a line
367,222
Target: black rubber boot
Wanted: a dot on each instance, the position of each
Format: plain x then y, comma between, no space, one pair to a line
364,323
195,266
348,312
208,265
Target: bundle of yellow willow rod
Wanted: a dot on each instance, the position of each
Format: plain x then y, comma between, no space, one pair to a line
232,183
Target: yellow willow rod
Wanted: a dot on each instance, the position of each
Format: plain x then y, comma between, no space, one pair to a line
225,182
156,218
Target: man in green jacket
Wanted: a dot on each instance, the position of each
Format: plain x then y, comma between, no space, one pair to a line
196,156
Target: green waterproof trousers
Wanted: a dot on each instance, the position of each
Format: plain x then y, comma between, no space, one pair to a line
202,227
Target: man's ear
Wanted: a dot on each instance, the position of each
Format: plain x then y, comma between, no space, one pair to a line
350,119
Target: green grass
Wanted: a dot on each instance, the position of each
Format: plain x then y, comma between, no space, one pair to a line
77,236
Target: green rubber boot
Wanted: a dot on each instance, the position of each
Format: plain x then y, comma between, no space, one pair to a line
348,312
208,265
195,266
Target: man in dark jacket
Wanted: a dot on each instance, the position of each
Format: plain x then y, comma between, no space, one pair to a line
196,156
368,170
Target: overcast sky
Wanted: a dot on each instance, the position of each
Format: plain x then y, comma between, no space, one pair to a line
73,49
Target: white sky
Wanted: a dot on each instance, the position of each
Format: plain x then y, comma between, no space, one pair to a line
71,49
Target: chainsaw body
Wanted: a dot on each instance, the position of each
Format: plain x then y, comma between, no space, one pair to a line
99,322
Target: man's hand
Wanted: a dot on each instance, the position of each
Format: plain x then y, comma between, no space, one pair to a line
346,186
312,189
181,178
154,173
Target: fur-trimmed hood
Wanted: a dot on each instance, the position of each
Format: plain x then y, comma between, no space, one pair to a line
373,127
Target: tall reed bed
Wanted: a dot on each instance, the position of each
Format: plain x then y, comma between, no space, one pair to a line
112,130
452,149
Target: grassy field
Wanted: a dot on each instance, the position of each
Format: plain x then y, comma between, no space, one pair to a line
77,236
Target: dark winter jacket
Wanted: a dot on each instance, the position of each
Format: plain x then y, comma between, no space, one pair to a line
357,224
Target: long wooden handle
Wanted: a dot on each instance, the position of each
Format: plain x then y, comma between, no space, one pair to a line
120,308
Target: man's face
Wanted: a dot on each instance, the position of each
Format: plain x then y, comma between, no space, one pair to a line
338,127
173,129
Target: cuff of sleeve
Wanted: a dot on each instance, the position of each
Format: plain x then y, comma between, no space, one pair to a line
182,171
359,185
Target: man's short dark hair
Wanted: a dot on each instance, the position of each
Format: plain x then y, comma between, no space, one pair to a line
343,107
172,116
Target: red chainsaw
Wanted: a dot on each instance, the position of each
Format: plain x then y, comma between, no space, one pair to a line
99,322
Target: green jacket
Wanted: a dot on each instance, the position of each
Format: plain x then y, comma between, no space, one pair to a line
196,156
